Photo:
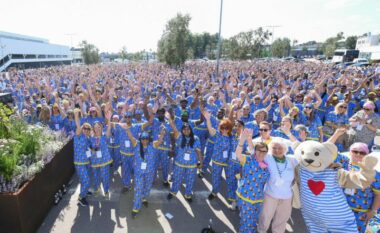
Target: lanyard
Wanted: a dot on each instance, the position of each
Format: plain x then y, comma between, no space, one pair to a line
278,168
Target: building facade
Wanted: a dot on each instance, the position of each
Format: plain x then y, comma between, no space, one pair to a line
369,47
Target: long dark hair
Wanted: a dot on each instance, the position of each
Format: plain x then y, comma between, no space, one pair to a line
142,152
192,139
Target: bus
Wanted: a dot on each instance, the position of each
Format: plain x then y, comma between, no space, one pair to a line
345,55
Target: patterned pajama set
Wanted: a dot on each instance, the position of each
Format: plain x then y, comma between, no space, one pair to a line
233,168
81,162
251,193
144,172
185,166
114,149
100,162
220,156
126,152
210,145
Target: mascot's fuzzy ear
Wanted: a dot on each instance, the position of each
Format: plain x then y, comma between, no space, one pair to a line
331,148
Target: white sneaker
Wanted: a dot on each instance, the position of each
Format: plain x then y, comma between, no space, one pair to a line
233,205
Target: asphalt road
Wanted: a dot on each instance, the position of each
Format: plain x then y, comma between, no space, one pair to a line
114,215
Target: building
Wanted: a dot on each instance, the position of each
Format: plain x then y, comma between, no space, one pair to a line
369,46
27,52
309,49
76,55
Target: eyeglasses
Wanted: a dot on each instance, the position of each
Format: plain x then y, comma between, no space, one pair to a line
362,153
345,107
308,108
264,130
262,151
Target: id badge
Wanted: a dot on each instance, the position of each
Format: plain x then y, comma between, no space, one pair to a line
143,166
350,192
359,127
187,157
88,153
275,118
99,154
127,144
233,155
112,140
279,182
225,154
57,126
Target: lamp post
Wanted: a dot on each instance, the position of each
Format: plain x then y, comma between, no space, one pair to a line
219,39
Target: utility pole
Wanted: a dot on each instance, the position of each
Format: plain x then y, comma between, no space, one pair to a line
272,27
219,39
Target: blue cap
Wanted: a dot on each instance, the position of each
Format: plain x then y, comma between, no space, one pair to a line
128,114
144,135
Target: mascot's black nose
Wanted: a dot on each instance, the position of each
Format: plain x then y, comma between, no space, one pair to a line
309,161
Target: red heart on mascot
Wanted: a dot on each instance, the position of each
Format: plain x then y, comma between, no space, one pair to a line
316,187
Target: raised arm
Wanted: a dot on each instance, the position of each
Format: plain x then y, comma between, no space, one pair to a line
77,121
207,116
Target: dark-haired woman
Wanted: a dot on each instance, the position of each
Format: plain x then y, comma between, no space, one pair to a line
188,149
143,167
313,123
222,150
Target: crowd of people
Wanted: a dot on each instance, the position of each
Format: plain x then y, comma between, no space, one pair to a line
184,123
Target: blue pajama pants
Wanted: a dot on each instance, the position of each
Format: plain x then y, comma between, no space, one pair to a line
143,184
162,159
232,169
208,155
216,175
102,175
115,155
84,179
126,170
179,174
360,221
249,216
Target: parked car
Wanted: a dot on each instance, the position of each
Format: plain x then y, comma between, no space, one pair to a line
360,60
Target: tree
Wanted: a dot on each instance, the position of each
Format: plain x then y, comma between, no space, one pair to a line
90,53
351,42
174,43
331,44
123,53
281,47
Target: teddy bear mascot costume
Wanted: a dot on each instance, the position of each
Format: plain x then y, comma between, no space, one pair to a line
321,182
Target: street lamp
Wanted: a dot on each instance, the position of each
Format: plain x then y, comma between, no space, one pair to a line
219,39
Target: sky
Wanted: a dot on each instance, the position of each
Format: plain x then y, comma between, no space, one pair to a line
139,24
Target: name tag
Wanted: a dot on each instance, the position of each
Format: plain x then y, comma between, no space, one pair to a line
279,182
225,154
112,140
143,165
99,154
164,143
233,155
187,157
359,127
88,153
127,144
275,118
350,192
56,126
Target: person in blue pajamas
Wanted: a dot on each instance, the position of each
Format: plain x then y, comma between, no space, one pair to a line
69,123
127,148
255,175
260,115
100,157
222,149
161,126
143,166
57,118
286,124
200,130
211,141
247,116
313,123
114,145
82,154
334,120
234,166
185,161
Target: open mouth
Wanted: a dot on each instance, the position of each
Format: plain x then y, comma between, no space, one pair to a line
311,164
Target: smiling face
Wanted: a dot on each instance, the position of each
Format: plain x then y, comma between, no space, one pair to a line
315,156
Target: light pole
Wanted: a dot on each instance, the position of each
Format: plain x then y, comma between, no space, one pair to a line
273,27
219,39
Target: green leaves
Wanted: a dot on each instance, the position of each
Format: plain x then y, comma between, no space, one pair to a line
90,53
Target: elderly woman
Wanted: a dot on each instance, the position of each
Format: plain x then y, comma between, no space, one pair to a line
364,124
277,206
259,115
255,175
364,202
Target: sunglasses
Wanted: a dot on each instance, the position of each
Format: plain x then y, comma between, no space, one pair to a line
263,130
308,108
224,128
263,151
359,152
345,107
86,129
144,138
366,109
